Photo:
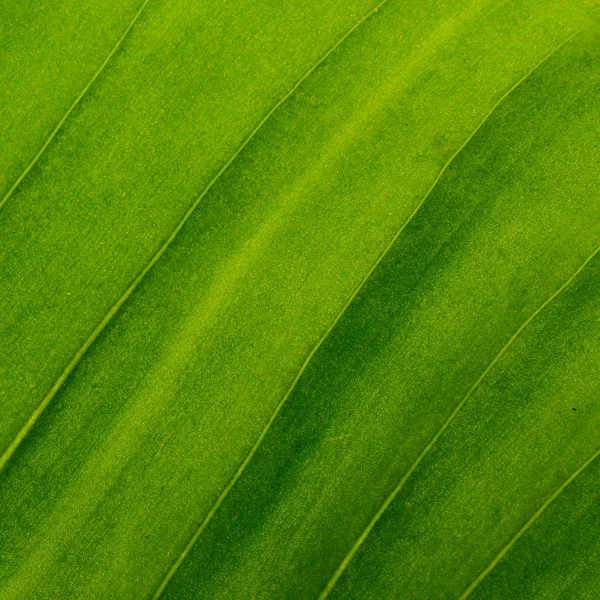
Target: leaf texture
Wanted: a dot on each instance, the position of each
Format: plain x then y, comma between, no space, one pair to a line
301,301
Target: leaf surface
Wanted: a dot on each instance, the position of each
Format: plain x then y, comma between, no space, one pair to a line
186,87
302,303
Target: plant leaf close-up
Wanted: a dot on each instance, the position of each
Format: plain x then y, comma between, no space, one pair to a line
300,300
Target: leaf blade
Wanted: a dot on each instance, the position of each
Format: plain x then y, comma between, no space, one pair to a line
267,520
165,406
65,263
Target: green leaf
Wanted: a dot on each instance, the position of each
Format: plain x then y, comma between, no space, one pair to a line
300,300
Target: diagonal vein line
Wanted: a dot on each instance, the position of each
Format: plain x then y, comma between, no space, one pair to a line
538,513
264,432
77,100
104,322
277,410
339,571
445,426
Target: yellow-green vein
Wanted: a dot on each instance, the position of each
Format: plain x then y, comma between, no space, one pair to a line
115,308
538,513
308,359
338,573
273,416
71,108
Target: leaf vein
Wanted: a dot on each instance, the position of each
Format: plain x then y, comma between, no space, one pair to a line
8,453
339,571
277,410
538,513
77,100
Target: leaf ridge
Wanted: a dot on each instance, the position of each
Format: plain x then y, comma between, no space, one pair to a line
339,571
115,308
71,108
